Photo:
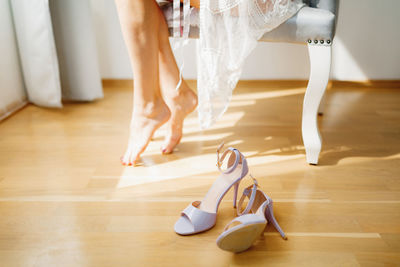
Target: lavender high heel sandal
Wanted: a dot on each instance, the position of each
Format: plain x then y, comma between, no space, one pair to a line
200,216
249,227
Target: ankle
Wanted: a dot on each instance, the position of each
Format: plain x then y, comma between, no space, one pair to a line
174,94
150,109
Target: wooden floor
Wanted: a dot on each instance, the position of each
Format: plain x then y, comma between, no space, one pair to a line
65,199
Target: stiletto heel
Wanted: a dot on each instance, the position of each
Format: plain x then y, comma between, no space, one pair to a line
200,216
235,191
269,214
240,237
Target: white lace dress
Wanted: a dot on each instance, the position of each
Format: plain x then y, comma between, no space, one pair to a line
229,31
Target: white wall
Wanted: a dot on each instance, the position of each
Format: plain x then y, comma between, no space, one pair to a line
12,92
366,46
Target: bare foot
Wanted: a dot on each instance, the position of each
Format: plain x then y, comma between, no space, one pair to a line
181,103
143,125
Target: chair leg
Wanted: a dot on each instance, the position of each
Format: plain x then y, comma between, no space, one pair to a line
320,61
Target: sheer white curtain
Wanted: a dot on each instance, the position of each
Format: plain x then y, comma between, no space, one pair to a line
51,51
12,92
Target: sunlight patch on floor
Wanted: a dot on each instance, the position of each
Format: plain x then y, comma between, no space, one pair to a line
353,160
132,176
194,166
268,94
268,159
200,160
237,103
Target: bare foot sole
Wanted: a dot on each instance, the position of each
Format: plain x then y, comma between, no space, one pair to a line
181,104
143,126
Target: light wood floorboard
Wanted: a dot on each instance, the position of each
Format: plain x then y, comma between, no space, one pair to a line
65,199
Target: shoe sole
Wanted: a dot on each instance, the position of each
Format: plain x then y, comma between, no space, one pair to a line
240,238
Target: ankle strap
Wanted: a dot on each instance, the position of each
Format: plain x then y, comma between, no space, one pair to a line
250,190
238,158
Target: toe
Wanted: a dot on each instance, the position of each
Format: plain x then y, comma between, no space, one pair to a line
125,157
170,143
133,158
137,151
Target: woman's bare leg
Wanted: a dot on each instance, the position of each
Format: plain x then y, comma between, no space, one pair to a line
181,102
140,22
